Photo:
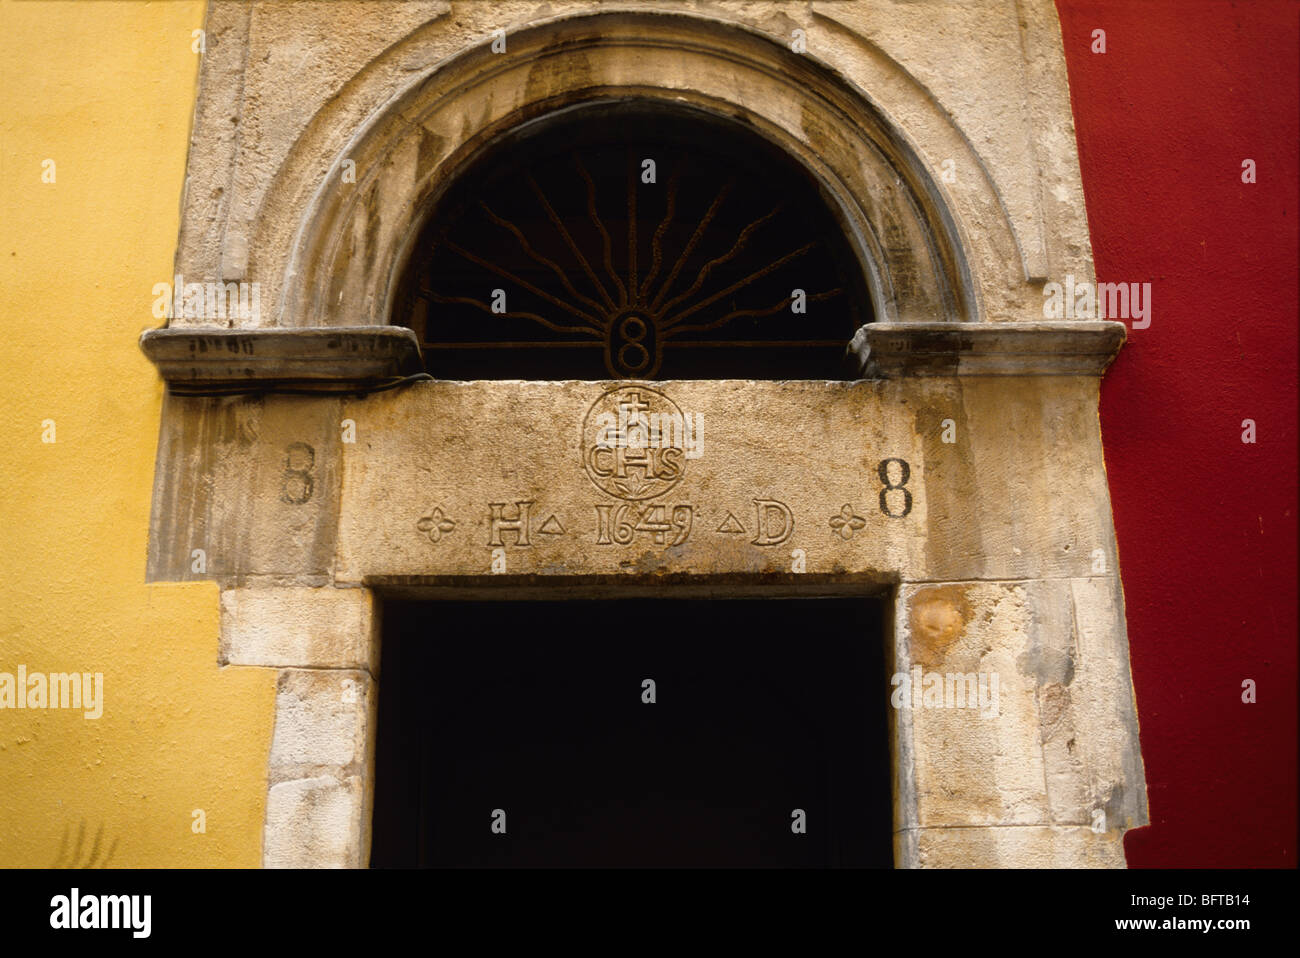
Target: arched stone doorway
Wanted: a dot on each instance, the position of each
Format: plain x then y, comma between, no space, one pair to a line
960,477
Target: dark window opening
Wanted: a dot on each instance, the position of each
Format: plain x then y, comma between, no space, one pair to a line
535,708
634,242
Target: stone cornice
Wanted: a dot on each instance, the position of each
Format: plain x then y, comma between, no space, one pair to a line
894,350
204,359
201,359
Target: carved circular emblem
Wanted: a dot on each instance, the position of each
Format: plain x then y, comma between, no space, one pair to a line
635,442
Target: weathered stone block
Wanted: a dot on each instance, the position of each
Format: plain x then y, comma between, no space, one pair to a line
1017,846
315,823
324,628
1038,762
976,762
249,482
322,720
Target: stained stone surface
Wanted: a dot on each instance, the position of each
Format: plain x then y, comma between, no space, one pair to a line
958,125
996,545
446,478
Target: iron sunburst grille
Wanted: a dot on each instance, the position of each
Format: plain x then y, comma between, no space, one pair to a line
567,257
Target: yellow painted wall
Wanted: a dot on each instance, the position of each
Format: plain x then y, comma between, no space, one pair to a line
107,91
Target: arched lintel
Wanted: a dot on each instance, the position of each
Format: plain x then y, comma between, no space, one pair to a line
353,238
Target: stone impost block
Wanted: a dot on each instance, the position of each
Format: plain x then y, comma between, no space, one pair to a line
207,360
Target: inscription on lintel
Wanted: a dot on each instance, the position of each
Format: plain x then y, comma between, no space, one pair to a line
641,450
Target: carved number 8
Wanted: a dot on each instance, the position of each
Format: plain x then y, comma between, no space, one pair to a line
905,471
299,461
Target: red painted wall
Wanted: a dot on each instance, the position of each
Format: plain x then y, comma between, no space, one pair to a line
1186,90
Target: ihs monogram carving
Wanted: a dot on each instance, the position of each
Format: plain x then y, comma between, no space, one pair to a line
635,443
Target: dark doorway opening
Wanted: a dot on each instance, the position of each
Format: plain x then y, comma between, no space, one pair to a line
537,709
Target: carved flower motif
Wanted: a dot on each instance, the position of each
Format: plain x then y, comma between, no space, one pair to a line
846,522
436,525
632,487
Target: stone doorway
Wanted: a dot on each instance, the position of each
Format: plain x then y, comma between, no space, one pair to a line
306,468
534,715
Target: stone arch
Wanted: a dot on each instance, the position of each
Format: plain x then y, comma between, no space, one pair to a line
351,240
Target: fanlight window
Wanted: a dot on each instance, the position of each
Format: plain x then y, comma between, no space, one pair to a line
631,242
